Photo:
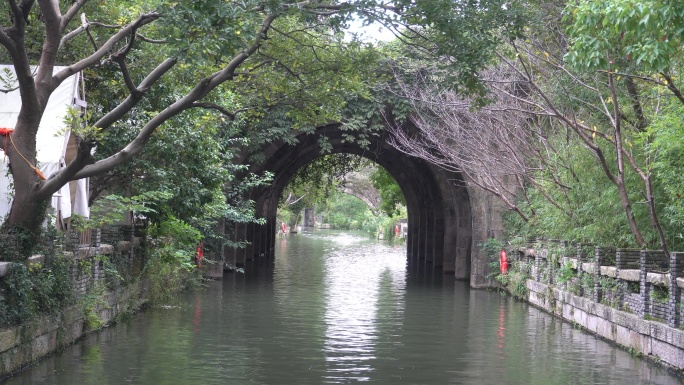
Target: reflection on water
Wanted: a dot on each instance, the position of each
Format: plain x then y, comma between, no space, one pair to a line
356,310
337,308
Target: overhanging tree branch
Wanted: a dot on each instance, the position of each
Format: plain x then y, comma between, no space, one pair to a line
200,90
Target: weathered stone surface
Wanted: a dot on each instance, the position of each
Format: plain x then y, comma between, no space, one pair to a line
106,249
536,286
44,325
591,323
667,353
626,329
632,322
667,334
609,271
605,312
70,333
588,266
4,268
15,358
629,339
123,246
579,317
48,334
43,345
630,275
214,271
680,282
72,314
605,329
36,260
658,279
9,338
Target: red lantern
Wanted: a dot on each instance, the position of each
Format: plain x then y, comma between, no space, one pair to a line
503,262
200,254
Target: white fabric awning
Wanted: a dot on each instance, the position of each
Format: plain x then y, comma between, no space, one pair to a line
51,144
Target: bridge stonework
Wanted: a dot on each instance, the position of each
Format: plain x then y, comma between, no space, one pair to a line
447,217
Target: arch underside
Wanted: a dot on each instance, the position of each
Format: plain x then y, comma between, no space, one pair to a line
438,203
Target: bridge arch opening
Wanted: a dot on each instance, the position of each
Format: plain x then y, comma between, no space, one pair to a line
440,223
338,191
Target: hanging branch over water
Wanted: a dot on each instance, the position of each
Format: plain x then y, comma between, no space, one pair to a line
497,147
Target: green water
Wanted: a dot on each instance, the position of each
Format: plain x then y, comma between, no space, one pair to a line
337,308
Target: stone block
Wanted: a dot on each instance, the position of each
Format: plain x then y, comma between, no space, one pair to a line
14,359
588,266
43,345
214,270
667,353
622,336
36,260
659,279
604,328
589,306
72,314
106,249
44,325
9,338
568,311
671,336
591,323
123,246
106,315
579,317
578,302
632,339
70,333
4,268
680,282
605,312
533,298
632,275
609,271
632,322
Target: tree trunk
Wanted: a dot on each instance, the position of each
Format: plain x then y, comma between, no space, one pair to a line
28,208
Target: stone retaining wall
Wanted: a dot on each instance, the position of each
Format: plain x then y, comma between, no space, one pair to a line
649,338
20,346
99,302
646,282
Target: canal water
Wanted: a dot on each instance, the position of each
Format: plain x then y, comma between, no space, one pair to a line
338,308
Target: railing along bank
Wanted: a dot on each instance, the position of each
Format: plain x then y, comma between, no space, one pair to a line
644,282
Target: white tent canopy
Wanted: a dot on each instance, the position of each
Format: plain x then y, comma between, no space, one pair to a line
53,149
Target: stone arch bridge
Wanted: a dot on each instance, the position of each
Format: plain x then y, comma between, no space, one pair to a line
361,187
447,217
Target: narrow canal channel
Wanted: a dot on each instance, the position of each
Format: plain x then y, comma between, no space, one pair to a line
337,308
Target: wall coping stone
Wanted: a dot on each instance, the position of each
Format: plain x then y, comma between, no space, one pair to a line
633,275
609,271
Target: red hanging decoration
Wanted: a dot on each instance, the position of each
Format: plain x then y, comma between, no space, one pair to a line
4,131
200,254
503,262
